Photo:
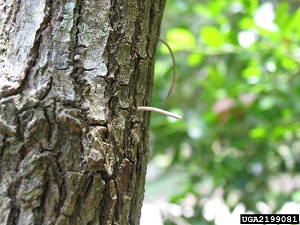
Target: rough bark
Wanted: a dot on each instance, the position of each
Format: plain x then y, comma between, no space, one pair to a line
73,147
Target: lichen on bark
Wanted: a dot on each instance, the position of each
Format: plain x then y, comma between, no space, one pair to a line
73,148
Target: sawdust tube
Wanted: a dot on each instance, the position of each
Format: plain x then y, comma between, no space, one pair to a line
153,109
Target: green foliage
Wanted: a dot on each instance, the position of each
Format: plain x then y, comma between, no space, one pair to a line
238,89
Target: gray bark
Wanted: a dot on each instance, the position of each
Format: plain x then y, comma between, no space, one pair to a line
73,147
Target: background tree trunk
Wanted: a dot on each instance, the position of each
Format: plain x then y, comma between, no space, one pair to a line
73,148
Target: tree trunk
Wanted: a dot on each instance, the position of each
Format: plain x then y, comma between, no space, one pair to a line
73,147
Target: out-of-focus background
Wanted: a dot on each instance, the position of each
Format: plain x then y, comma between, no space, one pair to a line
237,148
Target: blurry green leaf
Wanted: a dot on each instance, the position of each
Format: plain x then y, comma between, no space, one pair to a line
215,77
252,71
288,63
202,10
296,196
163,160
160,69
212,36
252,74
258,132
246,23
233,198
278,132
251,5
282,15
180,39
296,19
267,103
194,59
286,114
216,6
233,163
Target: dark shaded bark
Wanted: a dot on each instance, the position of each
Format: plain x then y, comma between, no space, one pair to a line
73,147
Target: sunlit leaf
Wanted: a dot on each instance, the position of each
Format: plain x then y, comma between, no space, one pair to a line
251,5
282,15
258,132
211,36
251,72
246,23
288,63
194,59
180,40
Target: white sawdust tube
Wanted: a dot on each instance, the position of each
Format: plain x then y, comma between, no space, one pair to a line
152,109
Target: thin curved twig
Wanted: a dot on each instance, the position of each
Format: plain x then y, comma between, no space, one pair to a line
174,70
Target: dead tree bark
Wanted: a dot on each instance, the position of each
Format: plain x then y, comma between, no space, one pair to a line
73,147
